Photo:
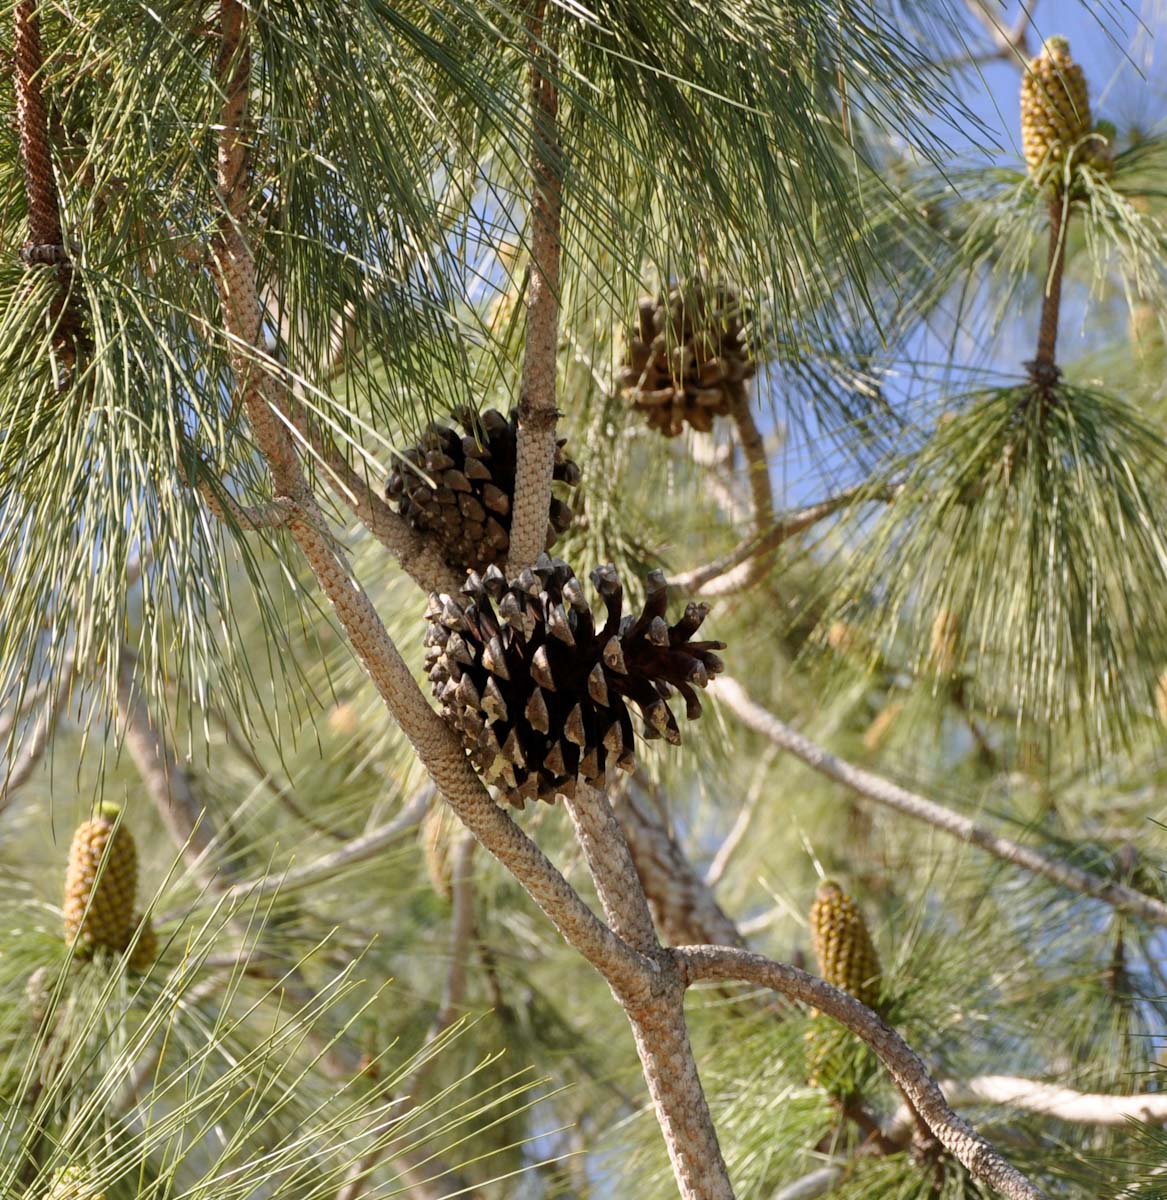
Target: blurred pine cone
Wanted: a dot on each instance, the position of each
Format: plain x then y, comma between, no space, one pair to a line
540,694
458,488
1055,108
842,942
687,360
100,883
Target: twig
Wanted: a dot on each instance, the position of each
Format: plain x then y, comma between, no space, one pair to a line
23,706
358,850
815,1183
685,908
734,571
453,996
36,740
1044,368
891,795
761,489
537,412
741,825
166,783
233,514
725,965
1012,45
417,555
1047,1100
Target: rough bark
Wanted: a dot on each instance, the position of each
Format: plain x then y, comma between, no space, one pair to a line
724,965
537,412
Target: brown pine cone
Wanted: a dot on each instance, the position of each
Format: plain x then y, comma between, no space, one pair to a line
540,694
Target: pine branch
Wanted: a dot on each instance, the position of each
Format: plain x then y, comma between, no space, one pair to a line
612,868
820,1182
683,905
725,965
45,244
358,850
919,808
1048,1100
37,740
418,555
165,782
741,826
437,745
1011,45
735,571
655,1009
537,410
1044,368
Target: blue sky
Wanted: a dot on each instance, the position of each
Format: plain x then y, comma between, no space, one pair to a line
1123,49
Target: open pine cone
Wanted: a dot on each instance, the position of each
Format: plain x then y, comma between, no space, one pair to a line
540,694
688,359
460,488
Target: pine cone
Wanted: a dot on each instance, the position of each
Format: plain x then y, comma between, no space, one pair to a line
540,694
688,359
98,850
458,489
72,1183
842,944
846,958
1055,108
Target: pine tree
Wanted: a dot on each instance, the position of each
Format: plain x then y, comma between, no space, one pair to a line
297,624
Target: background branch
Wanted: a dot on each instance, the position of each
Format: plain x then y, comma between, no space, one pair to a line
891,795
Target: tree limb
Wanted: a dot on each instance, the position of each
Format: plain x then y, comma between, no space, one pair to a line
682,903
1048,1100
537,412
436,744
736,570
37,739
358,850
725,965
919,808
616,879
